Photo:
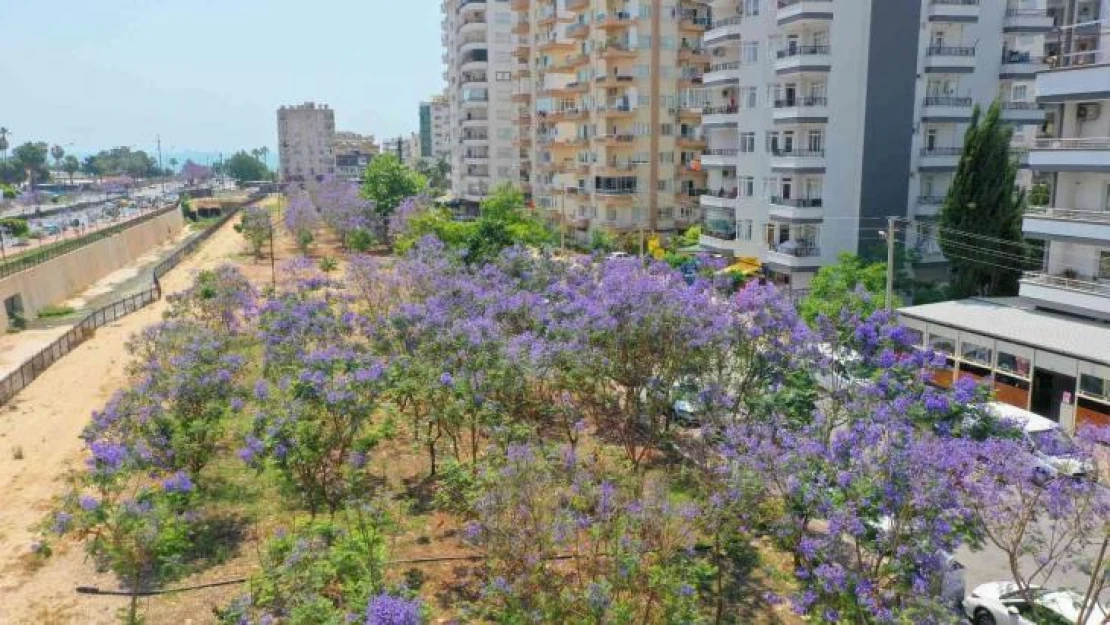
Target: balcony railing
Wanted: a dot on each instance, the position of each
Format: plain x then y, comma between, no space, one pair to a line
798,202
1026,12
801,102
802,51
720,110
950,51
1069,214
721,67
948,101
1084,143
939,151
956,2
1070,284
788,3
729,21
930,200
722,152
804,250
1021,106
617,192
799,153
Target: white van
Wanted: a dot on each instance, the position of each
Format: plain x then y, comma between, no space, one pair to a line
1053,451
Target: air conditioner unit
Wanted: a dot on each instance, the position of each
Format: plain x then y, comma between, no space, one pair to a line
1088,112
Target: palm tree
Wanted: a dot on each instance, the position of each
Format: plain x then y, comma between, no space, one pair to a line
173,165
4,132
265,151
57,152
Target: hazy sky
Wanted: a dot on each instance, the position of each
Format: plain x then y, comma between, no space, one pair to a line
210,74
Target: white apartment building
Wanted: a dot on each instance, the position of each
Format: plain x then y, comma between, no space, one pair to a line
1048,350
306,134
825,117
478,57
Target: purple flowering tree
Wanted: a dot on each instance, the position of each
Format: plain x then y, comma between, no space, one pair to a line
302,219
220,299
346,212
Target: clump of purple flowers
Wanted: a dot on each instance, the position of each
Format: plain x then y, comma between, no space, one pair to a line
387,609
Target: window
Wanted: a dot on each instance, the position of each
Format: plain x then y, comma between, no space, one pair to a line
666,129
749,97
1019,93
503,76
1017,365
816,141
772,142
661,185
751,7
747,142
973,352
666,158
1104,265
1092,386
749,52
744,229
943,344
747,186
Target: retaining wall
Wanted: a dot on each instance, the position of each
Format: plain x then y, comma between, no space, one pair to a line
63,277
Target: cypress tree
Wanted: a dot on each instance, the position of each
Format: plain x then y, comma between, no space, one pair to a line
984,201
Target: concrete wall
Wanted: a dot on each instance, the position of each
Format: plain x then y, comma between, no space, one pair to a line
65,276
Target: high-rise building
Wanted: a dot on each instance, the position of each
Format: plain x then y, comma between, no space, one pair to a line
305,142
609,127
478,62
435,128
824,118
1048,350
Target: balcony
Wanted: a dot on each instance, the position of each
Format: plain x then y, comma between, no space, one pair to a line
1027,21
472,5
950,59
946,109
1022,113
614,50
808,210
1086,297
795,255
519,5
474,140
1063,224
616,110
811,110
692,55
928,205
727,29
522,51
473,26
720,116
719,199
694,24
691,141
1084,154
476,65
718,227
940,158
578,31
1075,76
1021,65
617,140
798,161
522,27
615,21
722,73
474,122
614,80
954,10
577,5
790,11
719,157
807,58
616,168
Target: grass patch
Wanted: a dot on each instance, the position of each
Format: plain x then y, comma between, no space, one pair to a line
52,311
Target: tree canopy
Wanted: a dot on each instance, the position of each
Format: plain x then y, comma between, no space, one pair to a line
244,168
981,218
851,285
388,182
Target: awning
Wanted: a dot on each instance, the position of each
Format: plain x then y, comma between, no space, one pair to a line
746,265
447,198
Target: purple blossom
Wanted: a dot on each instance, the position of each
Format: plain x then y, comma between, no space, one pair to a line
88,503
62,522
178,483
386,609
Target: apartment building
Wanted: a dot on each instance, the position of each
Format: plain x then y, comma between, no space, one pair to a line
435,128
306,134
353,153
823,118
1048,350
405,148
609,134
478,57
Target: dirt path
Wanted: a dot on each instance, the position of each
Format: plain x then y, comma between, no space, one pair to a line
43,424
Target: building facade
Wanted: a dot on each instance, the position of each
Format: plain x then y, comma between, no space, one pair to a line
1048,350
824,118
306,134
435,129
478,57
353,153
609,127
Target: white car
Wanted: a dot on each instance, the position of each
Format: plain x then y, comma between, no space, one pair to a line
1053,452
1000,603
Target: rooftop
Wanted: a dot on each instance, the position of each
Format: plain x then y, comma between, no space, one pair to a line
1011,319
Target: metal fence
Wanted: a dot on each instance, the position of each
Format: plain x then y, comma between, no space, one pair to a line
54,250
34,367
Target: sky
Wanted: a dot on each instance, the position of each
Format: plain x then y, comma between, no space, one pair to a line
209,75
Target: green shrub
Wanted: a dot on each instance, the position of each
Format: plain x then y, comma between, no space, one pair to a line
47,312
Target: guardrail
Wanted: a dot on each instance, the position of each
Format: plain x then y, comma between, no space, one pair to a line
85,329
37,257
1068,214
1073,143
1070,284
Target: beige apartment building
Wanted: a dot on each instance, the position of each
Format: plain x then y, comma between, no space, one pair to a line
353,153
306,133
609,112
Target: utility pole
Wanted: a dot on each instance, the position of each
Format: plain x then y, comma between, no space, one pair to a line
161,172
563,222
891,226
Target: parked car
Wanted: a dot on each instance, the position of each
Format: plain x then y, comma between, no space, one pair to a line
1000,603
1054,452
687,408
615,255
